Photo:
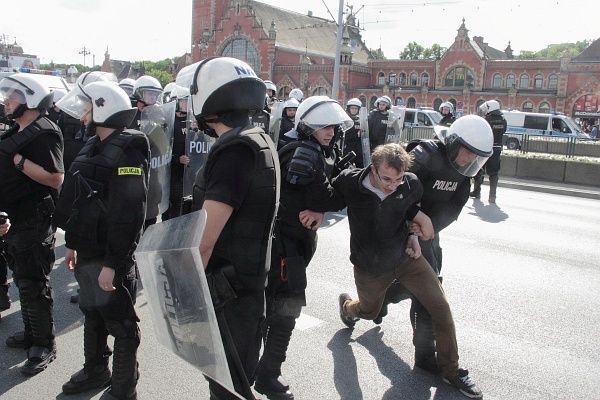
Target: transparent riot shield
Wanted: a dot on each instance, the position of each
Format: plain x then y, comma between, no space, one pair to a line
157,123
395,125
275,120
178,297
197,146
364,135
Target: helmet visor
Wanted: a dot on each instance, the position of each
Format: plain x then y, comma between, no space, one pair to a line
463,157
151,96
12,90
75,103
336,116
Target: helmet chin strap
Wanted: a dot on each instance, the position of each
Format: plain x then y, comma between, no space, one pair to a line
18,112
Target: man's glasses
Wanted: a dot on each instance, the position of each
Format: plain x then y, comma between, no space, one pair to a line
388,181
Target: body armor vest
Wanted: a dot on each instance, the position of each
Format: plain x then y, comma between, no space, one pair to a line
82,206
19,192
245,241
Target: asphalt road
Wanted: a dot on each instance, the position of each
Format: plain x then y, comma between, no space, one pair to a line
522,278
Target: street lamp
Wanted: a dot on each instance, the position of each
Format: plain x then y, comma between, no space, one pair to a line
85,51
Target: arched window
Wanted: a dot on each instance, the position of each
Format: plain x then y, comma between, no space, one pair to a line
497,81
545,108
510,80
524,82
283,92
459,77
399,101
527,106
411,103
372,102
363,100
436,104
381,79
453,101
538,81
479,103
553,81
320,91
402,79
243,50
424,79
413,79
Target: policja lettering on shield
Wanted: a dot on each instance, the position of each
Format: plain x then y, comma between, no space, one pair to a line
199,147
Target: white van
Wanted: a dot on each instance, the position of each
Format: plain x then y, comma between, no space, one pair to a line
421,117
520,123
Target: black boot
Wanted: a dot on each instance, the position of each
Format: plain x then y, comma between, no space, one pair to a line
423,338
493,187
81,381
4,298
40,313
277,339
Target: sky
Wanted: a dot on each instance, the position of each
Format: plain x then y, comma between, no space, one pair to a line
59,30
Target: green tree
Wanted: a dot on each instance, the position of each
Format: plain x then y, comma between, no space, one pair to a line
163,76
437,51
378,54
555,51
412,51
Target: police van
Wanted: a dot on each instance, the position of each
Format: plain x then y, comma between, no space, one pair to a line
520,123
421,117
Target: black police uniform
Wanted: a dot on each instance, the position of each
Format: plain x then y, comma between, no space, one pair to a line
4,285
445,192
352,142
492,165
378,123
30,240
286,124
447,120
177,168
241,172
74,136
306,169
101,209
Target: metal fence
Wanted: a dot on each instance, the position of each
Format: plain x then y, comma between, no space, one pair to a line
566,146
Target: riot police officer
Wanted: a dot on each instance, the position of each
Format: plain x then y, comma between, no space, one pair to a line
444,167
239,190
179,159
351,140
147,91
307,164
296,94
490,110
288,115
32,171
447,111
378,121
54,112
101,208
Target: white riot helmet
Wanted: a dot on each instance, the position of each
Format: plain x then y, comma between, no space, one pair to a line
385,100
471,133
488,107
127,85
229,88
297,94
148,90
447,105
59,94
271,86
181,94
109,104
167,95
291,103
318,112
28,91
353,103
96,76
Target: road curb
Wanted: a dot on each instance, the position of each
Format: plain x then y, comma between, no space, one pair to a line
548,187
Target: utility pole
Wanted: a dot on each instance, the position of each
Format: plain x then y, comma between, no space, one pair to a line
338,47
85,51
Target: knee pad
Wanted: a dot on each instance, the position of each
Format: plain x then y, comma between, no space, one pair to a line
30,290
124,329
289,306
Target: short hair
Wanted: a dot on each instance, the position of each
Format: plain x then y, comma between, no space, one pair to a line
393,155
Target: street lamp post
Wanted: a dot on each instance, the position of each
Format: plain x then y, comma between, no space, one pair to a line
393,85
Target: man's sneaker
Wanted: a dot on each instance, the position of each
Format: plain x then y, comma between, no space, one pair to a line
465,384
275,387
428,363
16,341
82,381
348,321
38,359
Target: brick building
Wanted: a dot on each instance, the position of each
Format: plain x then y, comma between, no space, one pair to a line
297,50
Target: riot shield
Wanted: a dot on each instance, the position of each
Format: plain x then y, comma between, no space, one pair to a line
275,120
157,123
197,146
364,135
395,125
178,297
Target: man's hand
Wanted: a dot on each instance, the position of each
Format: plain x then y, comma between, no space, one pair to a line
70,259
105,279
184,160
311,219
413,248
424,227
